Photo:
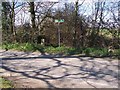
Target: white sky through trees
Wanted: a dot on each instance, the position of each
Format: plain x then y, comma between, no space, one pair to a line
86,8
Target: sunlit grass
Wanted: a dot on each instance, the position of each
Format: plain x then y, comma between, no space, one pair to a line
64,50
4,83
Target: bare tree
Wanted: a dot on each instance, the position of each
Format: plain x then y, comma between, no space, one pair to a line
77,5
13,5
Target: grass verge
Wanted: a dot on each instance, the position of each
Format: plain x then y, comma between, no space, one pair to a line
62,50
4,83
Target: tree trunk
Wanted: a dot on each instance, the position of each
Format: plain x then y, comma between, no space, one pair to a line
32,12
13,31
76,27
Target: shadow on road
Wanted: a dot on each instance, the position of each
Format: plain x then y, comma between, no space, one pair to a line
88,69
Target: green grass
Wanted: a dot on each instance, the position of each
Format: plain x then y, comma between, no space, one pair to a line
61,50
96,51
20,47
58,50
5,83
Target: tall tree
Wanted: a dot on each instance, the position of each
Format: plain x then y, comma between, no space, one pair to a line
5,15
32,15
76,26
13,21
32,12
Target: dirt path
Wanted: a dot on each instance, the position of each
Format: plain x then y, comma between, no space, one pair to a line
33,70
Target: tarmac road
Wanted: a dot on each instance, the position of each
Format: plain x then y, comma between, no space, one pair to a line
33,70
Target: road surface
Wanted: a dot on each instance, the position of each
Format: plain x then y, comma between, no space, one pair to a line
33,70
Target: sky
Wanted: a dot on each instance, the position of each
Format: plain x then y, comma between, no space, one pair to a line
88,4
88,1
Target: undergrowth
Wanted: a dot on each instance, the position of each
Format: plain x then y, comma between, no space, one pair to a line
90,51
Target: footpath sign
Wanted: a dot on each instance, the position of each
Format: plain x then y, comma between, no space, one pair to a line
59,21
